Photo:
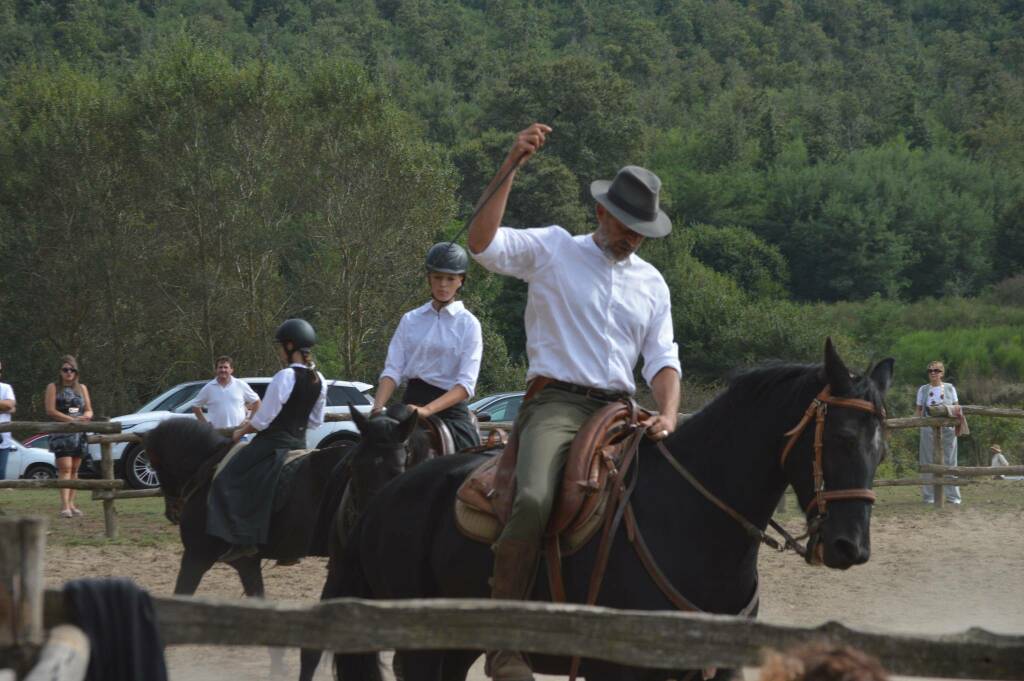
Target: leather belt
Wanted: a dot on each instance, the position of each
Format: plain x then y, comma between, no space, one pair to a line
539,383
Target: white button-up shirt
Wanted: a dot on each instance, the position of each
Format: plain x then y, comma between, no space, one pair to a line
6,441
278,392
441,347
588,318
225,404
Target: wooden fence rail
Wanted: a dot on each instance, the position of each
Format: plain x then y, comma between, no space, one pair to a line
644,639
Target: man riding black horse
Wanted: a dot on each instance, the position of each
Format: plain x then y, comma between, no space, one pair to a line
594,306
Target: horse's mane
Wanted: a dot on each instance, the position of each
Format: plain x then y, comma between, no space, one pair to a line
788,386
182,445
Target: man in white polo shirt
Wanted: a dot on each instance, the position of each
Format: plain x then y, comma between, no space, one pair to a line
7,406
592,309
229,401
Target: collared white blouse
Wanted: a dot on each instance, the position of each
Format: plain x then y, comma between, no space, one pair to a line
441,347
278,392
588,318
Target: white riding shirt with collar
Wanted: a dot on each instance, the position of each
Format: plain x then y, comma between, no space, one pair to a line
588,317
441,347
278,392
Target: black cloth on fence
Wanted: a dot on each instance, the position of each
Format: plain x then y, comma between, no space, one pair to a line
456,417
119,619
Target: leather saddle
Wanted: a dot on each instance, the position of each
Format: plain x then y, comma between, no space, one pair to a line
484,500
441,441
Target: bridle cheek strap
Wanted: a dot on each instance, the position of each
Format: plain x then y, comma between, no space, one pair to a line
817,411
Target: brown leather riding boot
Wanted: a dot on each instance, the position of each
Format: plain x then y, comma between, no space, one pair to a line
515,566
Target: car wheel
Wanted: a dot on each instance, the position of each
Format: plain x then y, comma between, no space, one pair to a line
138,471
40,471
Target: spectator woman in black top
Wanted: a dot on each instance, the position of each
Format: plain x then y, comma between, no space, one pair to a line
67,400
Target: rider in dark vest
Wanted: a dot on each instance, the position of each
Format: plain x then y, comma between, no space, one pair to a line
242,494
437,348
593,308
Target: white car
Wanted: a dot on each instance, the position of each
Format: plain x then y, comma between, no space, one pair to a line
132,464
31,463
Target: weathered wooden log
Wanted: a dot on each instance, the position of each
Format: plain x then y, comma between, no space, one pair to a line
981,410
907,482
919,422
109,511
61,484
54,427
64,657
114,439
972,471
643,639
21,589
100,495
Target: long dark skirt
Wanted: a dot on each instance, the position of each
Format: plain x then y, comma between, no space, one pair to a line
456,417
242,495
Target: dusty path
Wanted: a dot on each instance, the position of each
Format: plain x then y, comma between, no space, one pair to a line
930,571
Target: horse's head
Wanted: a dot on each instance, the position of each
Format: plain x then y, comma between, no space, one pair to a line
832,473
385,446
177,449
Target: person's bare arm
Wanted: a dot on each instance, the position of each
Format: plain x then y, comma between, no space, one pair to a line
253,407
485,225
7,406
200,416
87,414
450,398
666,391
919,410
385,389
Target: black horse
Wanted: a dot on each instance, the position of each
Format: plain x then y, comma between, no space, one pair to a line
389,444
184,453
406,544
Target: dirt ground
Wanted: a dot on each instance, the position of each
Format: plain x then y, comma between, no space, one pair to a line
931,571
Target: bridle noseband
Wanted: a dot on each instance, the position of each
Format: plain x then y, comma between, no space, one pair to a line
817,410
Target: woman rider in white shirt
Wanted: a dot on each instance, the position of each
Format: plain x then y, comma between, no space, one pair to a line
239,504
437,348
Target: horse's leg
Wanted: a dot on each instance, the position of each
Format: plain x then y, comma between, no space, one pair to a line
419,665
456,663
252,582
190,573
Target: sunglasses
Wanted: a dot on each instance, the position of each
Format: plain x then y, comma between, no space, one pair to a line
69,370
935,371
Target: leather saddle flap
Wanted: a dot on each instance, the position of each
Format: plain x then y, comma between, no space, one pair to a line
593,456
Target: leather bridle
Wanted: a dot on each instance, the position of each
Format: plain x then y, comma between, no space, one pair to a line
817,410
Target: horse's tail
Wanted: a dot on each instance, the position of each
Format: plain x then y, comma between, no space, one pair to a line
345,578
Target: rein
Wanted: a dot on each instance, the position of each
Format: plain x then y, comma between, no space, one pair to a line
620,509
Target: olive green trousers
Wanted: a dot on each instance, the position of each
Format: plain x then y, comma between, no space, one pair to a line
546,425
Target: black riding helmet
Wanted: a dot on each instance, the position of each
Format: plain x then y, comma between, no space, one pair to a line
447,257
298,331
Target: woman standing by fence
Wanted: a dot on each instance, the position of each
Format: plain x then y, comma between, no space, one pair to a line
67,401
936,393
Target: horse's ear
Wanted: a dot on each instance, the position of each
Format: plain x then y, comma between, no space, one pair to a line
836,373
408,424
882,373
362,423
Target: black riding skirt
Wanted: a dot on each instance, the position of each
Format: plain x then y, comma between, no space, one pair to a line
456,417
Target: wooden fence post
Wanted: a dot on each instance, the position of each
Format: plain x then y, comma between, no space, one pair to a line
109,511
21,589
937,452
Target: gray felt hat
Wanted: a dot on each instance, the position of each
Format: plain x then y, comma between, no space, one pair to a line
632,197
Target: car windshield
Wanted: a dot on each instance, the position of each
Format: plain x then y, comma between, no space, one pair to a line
172,400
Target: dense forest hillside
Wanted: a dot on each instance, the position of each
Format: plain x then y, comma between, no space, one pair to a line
177,176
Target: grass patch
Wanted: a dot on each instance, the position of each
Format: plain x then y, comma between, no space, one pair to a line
141,522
